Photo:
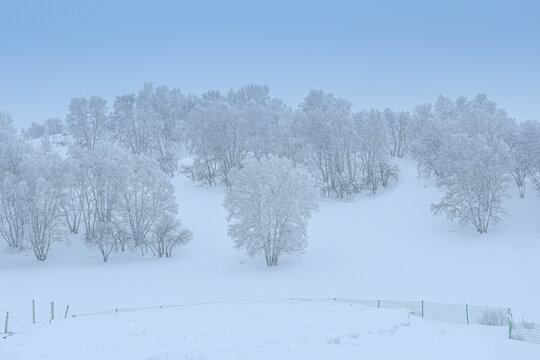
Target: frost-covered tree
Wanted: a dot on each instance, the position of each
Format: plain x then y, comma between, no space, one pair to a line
46,185
54,126
153,122
346,153
223,130
266,118
524,142
12,148
71,206
100,178
14,204
34,131
121,199
433,126
475,182
14,192
87,120
375,167
167,234
6,124
399,132
218,138
269,204
324,125
146,197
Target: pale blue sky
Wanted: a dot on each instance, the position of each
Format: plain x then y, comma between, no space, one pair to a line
374,53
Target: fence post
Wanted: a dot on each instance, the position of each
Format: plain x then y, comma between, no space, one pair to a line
378,304
33,311
467,312
509,316
52,310
6,324
67,309
422,309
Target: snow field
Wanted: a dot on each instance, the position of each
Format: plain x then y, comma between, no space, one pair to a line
280,329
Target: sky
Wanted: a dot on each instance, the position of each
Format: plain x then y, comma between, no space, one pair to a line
376,54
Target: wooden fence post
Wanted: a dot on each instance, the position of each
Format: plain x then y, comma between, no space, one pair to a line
52,310
33,311
67,309
467,312
6,324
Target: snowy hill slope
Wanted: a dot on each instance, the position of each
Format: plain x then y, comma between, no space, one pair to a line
388,246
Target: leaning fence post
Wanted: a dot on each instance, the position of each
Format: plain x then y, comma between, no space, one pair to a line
422,309
467,312
67,309
6,324
33,311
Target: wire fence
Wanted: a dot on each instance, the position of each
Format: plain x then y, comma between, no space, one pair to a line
463,314
33,313
24,316
525,331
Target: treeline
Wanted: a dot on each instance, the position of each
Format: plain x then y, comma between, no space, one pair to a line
471,147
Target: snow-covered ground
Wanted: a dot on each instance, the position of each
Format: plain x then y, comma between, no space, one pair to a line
262,330
385,247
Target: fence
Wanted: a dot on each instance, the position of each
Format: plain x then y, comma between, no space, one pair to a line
445,313
525,331
20,318
463,314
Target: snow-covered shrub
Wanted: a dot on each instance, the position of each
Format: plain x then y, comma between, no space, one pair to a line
493,318
529,325
269,204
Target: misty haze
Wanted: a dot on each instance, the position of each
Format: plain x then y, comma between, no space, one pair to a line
243,180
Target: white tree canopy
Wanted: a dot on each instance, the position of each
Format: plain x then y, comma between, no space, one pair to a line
269,204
